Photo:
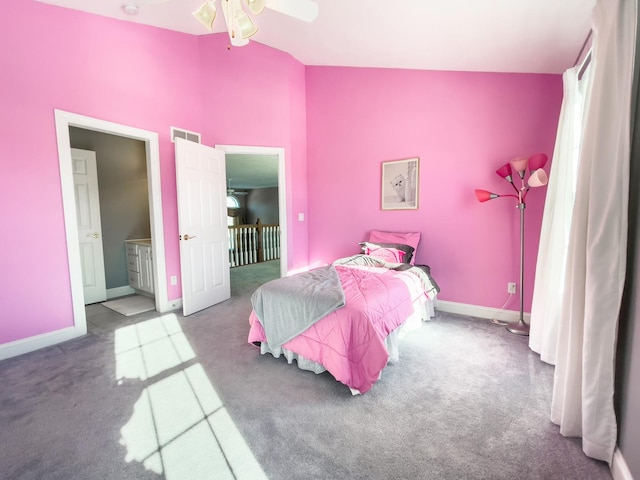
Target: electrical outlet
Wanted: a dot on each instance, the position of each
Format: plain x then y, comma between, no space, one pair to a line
174,280
511,287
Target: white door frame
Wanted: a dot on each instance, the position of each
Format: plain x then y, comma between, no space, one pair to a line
63,121
282,191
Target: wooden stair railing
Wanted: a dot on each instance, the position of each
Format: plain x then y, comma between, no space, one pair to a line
256,243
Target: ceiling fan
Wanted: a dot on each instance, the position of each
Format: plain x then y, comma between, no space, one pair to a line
231,191
240,25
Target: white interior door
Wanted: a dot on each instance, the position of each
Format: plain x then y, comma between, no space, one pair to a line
85,182
202,225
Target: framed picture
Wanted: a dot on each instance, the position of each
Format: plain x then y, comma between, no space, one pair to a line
400,184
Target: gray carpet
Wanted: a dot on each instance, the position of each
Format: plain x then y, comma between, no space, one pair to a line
172,397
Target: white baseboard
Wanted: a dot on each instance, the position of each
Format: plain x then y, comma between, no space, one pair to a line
119,292
479,311
26,345
171,306
619,468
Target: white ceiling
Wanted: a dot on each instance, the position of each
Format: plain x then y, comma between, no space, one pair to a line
525,36
530,36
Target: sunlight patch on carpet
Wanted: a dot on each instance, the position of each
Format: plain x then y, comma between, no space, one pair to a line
179,427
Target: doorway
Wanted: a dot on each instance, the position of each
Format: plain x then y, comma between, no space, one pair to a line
65,120
123,209
269,152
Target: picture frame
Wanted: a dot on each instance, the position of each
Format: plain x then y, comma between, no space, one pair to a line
400,179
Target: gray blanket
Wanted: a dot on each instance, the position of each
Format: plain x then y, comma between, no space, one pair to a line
286,307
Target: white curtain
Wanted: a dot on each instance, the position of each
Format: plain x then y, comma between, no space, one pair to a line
583,389
546,308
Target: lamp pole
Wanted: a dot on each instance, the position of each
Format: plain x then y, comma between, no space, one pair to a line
520,328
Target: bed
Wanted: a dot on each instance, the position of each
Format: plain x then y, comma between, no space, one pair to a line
345,318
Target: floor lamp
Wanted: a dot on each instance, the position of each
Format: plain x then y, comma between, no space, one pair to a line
537,178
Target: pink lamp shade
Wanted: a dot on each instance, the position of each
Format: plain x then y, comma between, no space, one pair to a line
537,161
505,172
538,178
520,165
484,195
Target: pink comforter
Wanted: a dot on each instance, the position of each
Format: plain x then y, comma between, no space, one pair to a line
349,342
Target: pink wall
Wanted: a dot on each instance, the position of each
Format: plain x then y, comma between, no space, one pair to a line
346,121
462,126
262,94
56,58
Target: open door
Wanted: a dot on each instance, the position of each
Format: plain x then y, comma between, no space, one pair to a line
202,225
85,182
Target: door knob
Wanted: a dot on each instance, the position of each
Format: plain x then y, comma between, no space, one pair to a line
187,237
93,235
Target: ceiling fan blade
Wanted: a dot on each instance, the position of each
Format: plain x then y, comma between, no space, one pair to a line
305,10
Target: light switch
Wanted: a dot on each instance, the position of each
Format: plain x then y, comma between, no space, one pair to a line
301,217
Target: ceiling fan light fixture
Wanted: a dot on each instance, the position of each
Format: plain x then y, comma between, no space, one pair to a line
256,6
206,14
230,9
243,25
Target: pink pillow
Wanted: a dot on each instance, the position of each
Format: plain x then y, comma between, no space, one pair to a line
410,239
391,255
